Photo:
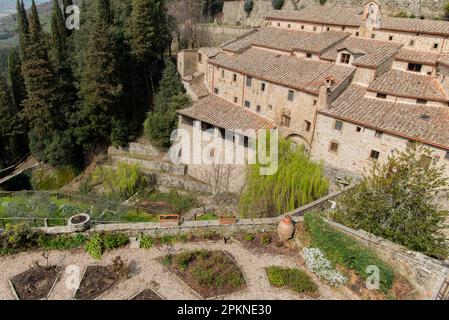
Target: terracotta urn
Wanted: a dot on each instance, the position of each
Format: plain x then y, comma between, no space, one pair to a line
286,228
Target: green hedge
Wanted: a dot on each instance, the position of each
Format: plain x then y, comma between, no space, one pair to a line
345,251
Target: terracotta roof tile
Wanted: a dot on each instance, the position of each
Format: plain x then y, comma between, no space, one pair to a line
268,37
427,124
408,84
346,16
371,52
318,42
298,73
415,25
224,114
417,56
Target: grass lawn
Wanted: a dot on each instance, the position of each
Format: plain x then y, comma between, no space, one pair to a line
207,216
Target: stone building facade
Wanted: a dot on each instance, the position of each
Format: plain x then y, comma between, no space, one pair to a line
349,84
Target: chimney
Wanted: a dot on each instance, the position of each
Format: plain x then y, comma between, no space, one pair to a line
323,97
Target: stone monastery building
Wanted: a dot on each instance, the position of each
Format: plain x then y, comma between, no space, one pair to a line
347,83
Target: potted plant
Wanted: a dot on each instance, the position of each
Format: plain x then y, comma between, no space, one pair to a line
79,222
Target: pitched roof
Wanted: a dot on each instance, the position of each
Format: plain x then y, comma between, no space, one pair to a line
345,16
275,38
372,52
298,73
318,42
426,124
210,51
408,84
226,115
198,87
415,56
415,25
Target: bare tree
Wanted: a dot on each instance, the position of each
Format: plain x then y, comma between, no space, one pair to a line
187,18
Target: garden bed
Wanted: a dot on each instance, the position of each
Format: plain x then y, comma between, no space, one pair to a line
208,273
99,279
147,294
266,242
293,279
35,283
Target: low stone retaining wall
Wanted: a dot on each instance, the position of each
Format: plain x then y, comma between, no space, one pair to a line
156,229
136,148
425,273
157,165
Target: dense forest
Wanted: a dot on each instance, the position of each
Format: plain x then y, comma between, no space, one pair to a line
68,94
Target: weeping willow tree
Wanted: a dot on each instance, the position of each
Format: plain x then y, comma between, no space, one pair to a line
297,182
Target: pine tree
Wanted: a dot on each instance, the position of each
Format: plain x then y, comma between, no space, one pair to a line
16,79
100,85
39,78
23,26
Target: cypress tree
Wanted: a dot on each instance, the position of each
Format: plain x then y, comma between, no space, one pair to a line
23,26
169,87
39,80
58,34
10,127
16,79
100,85
149,34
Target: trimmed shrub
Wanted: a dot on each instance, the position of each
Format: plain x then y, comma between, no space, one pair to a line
343,250
61,242
248,6
277,4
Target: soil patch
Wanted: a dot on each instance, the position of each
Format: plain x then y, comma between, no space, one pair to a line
96,281
35,283
79,219
209,273
147,294
267,242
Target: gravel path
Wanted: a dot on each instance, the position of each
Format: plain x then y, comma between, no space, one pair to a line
152,274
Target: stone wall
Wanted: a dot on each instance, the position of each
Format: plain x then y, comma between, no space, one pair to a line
425,273
233,10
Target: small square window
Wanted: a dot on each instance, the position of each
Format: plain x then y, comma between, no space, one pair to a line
338,125
236,100
333,146
415,67
262,86
358,129
374,154
200,57
285,122
247,104
390,38
378,134
309,55
258,108
381,96
249,81
307,126
373,36
429,73
314,102
290,95
216,90
314,28
421,101
435,45
234,77
279,24
412,43
302,27
288,25
345,58
328,29
357,34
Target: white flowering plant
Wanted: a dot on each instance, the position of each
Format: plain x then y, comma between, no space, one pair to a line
317,262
